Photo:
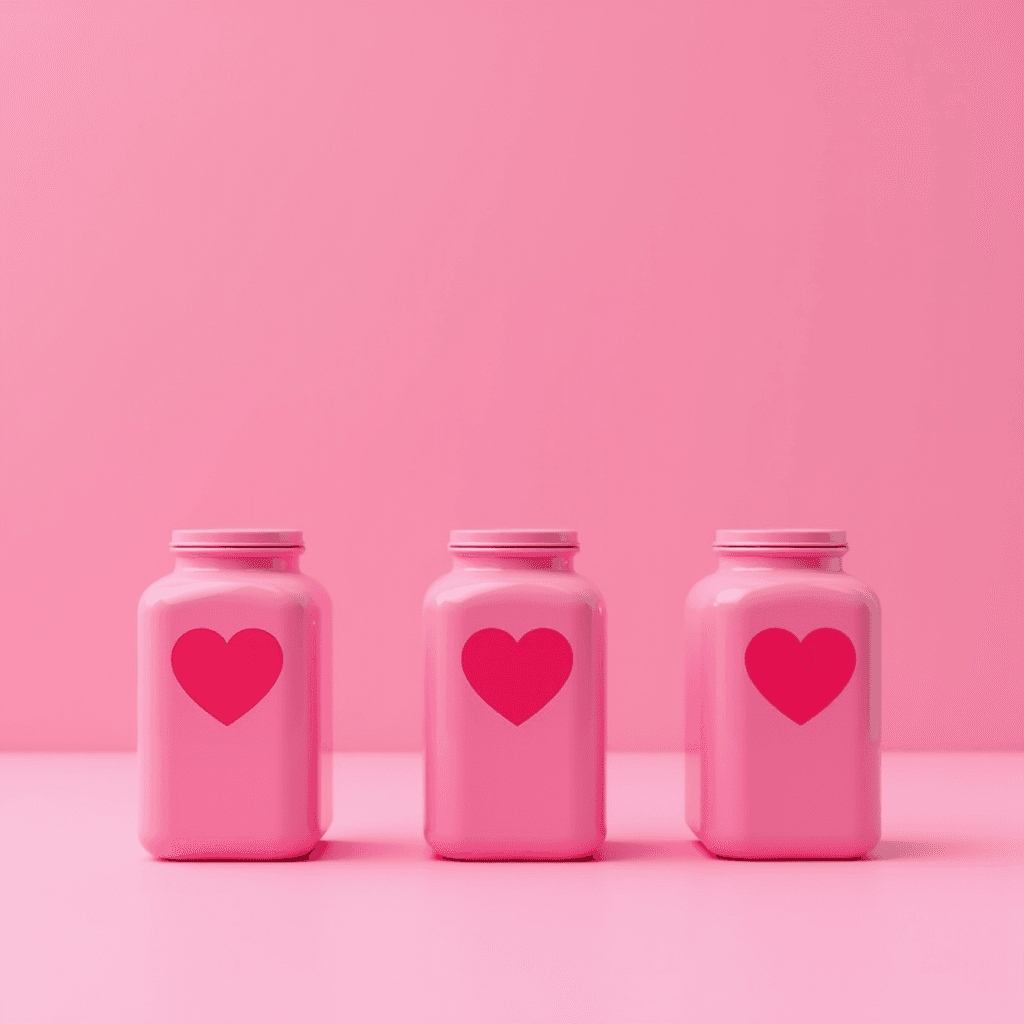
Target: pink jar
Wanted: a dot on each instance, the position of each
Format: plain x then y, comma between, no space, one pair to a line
782,699
234,700
515,692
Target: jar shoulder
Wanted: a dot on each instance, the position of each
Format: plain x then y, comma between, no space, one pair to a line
183,587
462,587
731,587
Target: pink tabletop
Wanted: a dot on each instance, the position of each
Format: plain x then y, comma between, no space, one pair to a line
371,928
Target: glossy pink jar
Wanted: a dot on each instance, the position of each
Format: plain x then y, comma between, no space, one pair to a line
515,699
234,700
782,699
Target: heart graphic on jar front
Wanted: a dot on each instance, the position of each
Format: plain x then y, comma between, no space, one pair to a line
800,678
227,678
517,679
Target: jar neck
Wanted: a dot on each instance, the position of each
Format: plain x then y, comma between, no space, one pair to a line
789,559
517,559
238,559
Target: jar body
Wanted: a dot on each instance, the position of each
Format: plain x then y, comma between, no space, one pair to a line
782,709
515,711
234,710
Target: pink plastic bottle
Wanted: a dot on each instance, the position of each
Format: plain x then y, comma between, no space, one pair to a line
515,692
782,699
234,700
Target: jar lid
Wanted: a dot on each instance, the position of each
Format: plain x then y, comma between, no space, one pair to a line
236,538
513,539
780,539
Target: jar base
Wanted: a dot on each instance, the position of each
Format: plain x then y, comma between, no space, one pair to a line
562,851
200,850
767,850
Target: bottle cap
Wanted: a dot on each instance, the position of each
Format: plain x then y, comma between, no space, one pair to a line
513,539
780,539
236,538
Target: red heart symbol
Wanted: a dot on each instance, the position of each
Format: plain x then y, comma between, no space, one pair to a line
227,678
517,679
799,678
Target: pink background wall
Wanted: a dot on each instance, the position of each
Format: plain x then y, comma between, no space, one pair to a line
381,269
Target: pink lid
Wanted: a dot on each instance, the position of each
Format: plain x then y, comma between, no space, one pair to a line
780,539
240,538
513,539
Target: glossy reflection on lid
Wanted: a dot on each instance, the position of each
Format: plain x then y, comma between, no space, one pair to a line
524,538
236,538
794,538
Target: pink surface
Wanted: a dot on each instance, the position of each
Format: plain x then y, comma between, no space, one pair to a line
930,930
379,270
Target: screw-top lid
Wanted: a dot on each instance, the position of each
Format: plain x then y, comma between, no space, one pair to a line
780,539
236,538
513,539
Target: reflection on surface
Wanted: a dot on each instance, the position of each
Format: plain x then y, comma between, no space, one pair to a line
653,849
918,849
379,849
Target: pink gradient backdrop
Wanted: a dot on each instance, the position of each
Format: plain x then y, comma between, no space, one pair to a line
381,269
